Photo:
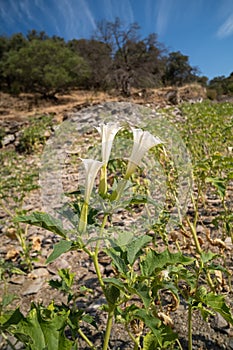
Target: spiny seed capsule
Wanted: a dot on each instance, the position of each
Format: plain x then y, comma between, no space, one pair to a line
201,292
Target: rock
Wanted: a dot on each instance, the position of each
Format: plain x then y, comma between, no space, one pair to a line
228,242
201,229
92,268
17,279
47,134
173,96
230,343
40,272
33,286
60,263
11,340
8,139
219,323
40,262
97,304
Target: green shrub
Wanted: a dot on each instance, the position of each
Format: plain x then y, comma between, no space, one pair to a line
211,94
2,135
34,136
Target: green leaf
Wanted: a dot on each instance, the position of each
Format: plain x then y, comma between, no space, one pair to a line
208,256
214,267
159,261
59,248
115,282
43,220
66,282
29,331
153,323
217,303
144,292
89,319
43,329
112,294
139,199
205,313
7,299
122,240
219,184
182,273
135,246
147,265
118,262
160,338
11,319
150,342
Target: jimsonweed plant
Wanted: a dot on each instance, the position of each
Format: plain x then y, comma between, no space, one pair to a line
145,270
17,181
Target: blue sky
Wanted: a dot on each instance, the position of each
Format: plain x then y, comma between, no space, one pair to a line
201,29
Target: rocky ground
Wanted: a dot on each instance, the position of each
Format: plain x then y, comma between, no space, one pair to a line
214,335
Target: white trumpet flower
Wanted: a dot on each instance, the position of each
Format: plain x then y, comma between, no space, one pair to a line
92,167
107,132
143,141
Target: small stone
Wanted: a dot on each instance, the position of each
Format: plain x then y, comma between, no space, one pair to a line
207,220
230,343
97,304
37,273
18,279
201,229
57,265
40,262
33,286
8,139
92,268
47,133
228,242
219,323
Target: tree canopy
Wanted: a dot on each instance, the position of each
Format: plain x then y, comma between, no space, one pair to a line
116,57
43,66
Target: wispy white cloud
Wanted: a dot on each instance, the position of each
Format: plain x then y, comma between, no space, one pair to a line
4,13
121,8
126,11
226,29
66,18
25,10
88,14
77,18
164,9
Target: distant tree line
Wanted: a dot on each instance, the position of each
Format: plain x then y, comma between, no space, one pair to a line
221,87
115,58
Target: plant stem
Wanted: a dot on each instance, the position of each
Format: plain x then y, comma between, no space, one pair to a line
180,346
108,328
97,270
7,211
137,346
86,339
135,340
190,341
95,254
194,234
103,186
111,308
199,250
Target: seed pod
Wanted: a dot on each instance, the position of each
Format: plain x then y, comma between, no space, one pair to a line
201,292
